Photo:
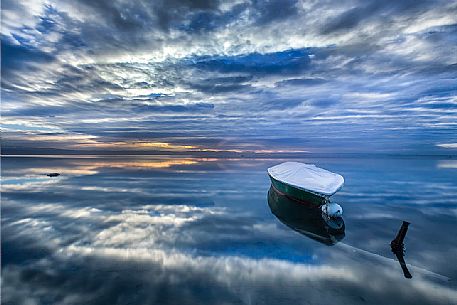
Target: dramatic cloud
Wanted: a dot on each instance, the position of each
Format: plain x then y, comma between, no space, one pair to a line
238,76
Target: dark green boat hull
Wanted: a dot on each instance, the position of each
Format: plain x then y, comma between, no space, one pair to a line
296,193
306,219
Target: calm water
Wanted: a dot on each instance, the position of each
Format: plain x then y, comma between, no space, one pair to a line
201,231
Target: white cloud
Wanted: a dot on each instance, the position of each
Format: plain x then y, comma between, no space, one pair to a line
447,145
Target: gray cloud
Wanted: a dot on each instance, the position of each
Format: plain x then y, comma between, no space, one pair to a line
367,11
209,67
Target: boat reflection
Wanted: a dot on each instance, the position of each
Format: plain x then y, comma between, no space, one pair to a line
306,219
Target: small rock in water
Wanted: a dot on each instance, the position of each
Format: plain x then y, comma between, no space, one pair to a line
53,174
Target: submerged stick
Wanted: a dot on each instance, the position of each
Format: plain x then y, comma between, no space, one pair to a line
398,248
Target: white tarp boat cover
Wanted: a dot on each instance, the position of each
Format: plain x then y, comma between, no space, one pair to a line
307,177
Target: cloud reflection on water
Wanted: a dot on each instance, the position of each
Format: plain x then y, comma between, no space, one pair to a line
92,239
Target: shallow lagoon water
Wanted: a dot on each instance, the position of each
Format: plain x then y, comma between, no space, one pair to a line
159,230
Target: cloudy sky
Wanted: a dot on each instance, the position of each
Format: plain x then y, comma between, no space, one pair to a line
181,75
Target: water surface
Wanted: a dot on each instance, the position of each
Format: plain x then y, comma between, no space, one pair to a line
159,230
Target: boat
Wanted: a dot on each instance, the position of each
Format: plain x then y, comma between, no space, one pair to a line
305,182
306,219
